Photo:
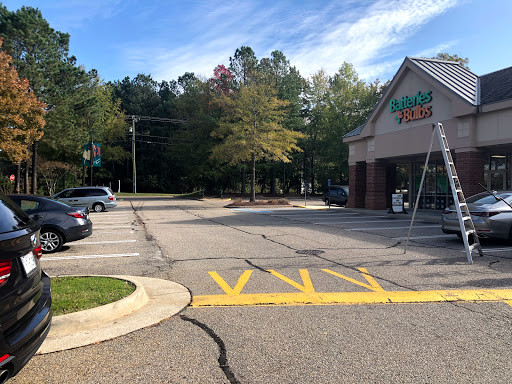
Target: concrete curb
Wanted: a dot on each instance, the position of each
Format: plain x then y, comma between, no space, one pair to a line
91,318
153,301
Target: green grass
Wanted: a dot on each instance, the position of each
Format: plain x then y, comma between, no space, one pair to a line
72,294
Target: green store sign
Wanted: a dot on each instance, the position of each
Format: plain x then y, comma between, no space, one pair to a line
411,108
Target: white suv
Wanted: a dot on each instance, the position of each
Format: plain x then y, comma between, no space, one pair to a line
96,198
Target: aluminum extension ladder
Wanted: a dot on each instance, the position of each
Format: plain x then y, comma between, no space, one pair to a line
467,228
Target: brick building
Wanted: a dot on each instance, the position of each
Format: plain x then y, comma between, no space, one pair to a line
388,152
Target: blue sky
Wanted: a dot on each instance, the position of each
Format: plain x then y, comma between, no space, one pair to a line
168,38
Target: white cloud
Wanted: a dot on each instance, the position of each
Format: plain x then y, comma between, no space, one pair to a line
323,36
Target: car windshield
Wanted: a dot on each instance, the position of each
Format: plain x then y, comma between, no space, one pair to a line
486,198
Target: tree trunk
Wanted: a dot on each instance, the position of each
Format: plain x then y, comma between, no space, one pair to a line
34,168
27,178
243,181
253,178
312,165
18,176
273,182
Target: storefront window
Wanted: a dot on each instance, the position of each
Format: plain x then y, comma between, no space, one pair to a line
436,193
498,172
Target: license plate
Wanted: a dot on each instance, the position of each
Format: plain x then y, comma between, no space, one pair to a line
29,263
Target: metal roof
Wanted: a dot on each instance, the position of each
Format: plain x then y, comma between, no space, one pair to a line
496,86
355,132
452,75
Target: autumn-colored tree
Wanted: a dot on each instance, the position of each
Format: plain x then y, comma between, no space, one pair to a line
251,129
21,114
222,80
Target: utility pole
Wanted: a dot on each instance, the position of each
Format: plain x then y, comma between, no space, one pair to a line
137,118
134,120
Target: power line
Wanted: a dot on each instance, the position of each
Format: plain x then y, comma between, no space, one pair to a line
156,119
135,119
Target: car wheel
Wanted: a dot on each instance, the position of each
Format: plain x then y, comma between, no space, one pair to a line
98,207
51,241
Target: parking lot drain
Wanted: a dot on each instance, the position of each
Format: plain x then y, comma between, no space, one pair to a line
310,252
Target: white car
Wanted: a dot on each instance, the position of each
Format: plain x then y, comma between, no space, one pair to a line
96,198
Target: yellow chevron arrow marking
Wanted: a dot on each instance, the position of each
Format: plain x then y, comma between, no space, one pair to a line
244,278
374,286
306,280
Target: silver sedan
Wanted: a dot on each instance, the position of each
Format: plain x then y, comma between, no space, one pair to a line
491,216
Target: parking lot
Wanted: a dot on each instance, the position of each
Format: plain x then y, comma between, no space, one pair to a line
292,294
118,245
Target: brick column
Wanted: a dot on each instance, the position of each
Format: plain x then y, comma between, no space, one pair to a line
375,185
357,185
470,169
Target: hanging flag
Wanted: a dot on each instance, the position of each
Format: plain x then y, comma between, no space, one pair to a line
96,155
91,151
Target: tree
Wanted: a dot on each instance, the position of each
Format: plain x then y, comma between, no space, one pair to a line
38,51
22,115
242,65
251,129
222,80
448,57
40,54
335,106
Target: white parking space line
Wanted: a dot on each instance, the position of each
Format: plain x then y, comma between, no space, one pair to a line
120,231
357,222
305,214
388,228
90,256
114,227
109,216
425,237
496,250
112,222
105,242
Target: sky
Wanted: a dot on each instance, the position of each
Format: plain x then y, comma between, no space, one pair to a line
166,38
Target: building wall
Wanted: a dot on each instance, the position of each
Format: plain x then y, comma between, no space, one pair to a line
494,127
472,134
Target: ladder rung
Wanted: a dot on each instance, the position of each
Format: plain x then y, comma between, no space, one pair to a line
470,232
466,218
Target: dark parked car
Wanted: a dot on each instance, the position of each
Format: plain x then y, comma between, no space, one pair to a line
25,296
59,222
336,194
96,198
492,217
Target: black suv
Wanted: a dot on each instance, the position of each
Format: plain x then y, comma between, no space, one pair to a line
25,296
336,194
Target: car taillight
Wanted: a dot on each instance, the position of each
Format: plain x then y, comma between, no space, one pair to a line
5,271
4,357
38,252
485,214
78,215
111,198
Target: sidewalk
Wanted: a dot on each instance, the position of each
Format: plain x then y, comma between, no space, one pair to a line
428,215
153,301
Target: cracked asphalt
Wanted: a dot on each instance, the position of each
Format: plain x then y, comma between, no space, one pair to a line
185,240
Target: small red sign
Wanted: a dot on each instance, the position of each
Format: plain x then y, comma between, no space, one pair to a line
11,177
